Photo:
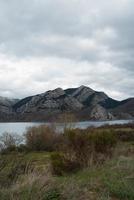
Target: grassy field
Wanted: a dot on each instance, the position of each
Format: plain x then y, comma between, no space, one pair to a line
27,176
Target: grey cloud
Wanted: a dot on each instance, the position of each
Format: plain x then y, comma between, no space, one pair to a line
72,32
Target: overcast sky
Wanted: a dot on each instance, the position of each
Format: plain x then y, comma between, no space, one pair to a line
46,44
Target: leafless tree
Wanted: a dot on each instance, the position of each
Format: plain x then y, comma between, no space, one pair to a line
68,120
10,139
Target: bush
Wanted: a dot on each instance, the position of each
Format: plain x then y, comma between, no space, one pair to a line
90,147
22,148
8,150
77,146
9,142
61,165
125,135
103,141
42,138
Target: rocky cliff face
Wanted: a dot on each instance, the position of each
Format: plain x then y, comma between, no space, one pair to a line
51,100
83,102
98,112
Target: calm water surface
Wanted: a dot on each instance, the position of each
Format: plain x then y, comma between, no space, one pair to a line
21,128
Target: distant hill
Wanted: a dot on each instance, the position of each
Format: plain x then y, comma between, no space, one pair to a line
83,102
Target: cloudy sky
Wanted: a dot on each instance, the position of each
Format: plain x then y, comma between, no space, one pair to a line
46,44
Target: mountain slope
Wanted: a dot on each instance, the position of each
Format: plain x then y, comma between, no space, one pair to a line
125,109
51,100
6,104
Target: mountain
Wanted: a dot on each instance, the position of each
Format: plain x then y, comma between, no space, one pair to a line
125,109
83,102
6,104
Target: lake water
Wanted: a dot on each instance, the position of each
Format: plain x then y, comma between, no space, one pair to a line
20,128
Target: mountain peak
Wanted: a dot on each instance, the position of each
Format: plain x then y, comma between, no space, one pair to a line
85,87
82,93
58,90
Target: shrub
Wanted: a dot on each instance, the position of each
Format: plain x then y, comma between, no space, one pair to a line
67,119
22,148
42,138
77,146
90,147
61,165
8,150
125,135
103,141
9,142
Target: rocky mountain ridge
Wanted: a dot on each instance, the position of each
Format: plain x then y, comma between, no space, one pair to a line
83,102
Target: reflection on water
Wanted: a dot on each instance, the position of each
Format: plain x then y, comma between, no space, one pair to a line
20,128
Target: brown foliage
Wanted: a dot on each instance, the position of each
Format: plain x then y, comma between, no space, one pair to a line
88,148
42,138
60,164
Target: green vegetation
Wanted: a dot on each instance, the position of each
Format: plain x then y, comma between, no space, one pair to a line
91,164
